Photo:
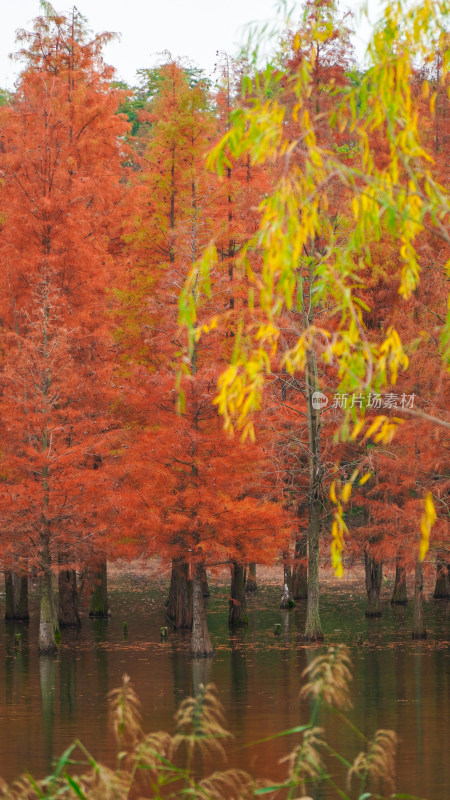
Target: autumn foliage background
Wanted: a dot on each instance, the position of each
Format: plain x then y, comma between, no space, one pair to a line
112,445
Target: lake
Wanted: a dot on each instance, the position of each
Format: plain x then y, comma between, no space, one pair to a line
398,683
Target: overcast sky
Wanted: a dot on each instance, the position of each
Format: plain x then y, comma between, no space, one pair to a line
192,28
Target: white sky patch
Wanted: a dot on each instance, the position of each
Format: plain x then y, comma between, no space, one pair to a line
194,29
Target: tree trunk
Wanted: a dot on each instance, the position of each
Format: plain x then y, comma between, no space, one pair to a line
250,580
171,598
205,587
99,600
236,613
48,623
23,613
68,599
419,631
16,597
10,595
313,628
200,642
374,574
399,597
300,569
442,587
179,604
286,599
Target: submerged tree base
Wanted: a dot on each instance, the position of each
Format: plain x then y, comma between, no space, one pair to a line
201,646
287,604
99,600
316,636
374,575
419,635
236,612
250,581
68,599
50,650
179,602
16,597
287,601
47,644
442,587
205,653
399,597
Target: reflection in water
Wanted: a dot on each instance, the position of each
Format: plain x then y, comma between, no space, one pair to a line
9,663
418,664
286,618
99,627
286,689
48,672
17,662
201,672
373,693
401,688
182,674
397,684
68,685
238,668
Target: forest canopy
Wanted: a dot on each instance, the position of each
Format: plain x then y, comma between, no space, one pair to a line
181,259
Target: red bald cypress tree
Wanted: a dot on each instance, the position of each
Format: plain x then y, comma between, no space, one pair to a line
61,153
201,498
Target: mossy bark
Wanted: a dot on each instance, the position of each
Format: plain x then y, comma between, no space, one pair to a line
48,622
251,584
236,612
374,575
442,586
200,642
68,599
99,600
419,630
300,568
399,596
179,604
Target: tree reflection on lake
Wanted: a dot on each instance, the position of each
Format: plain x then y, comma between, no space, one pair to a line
398,683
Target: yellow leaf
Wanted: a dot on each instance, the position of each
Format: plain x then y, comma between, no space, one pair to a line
346,492
430,510
375,425
426,523
333,497
359,425
339,571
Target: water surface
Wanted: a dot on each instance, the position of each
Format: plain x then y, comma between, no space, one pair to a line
398,683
